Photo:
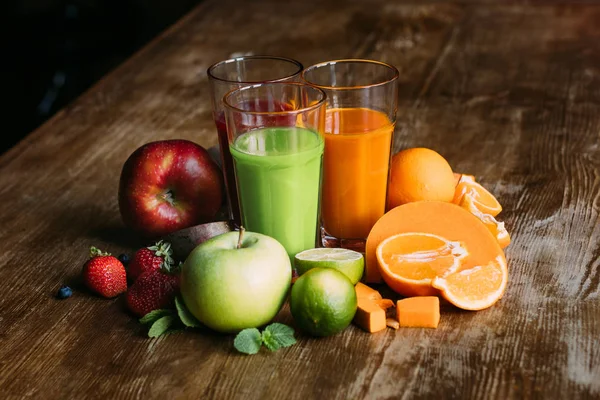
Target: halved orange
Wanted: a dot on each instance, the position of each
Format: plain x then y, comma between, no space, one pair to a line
475,288
409,261
495,227
482,199
441,218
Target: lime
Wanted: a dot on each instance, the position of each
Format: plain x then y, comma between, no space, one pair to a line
350,262
323,302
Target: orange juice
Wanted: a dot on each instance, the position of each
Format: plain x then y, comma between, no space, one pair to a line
355,170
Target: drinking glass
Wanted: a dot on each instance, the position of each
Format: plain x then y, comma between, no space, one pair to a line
277,156
360,119
234,73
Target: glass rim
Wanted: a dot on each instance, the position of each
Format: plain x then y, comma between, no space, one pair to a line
211,69
319,103
348,61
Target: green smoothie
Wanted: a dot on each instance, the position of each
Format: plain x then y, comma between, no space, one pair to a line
278,173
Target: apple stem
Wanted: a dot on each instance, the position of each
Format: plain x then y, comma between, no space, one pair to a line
242,230
168,197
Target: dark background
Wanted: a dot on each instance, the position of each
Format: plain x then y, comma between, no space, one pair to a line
54,50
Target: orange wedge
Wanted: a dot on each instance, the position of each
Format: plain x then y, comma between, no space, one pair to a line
409,261
458,178
482,199
495,227
475,288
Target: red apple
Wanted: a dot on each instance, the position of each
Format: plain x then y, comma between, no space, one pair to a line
169,185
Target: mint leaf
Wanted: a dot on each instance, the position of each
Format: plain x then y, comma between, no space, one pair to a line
185,315
248,341
276,336
269,341
175,329
161,325
153,316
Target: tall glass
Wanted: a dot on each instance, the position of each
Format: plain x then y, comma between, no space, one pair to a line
234,73
360,119
277,155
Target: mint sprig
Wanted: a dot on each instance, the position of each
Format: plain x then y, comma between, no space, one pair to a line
161,326
165,321
185,315
155,315
275,336
248,341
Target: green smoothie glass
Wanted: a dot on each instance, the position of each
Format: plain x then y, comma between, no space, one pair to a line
277,156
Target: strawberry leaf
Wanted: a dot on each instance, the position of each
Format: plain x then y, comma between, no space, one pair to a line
96,252
185,315
163,249
161,326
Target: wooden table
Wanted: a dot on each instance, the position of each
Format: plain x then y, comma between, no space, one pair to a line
508,92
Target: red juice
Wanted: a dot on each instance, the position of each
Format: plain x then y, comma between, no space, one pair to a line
227,166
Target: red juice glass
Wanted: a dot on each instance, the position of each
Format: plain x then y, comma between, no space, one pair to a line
235,73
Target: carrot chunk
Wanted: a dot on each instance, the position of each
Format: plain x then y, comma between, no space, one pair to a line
420,311
369,316
384,303
367,292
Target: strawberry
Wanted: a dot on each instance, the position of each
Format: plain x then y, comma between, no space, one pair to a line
104,274
153,290
149,259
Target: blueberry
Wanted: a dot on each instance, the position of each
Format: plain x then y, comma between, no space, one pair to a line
124,258
64,292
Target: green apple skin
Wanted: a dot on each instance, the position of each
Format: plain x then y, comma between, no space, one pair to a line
230,289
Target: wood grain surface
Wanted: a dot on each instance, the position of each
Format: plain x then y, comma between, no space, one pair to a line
509,92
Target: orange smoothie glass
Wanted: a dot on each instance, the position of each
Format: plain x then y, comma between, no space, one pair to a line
361,115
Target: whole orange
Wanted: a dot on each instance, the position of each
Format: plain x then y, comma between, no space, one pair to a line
419,174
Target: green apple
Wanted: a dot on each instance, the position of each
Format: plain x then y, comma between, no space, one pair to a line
236,280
